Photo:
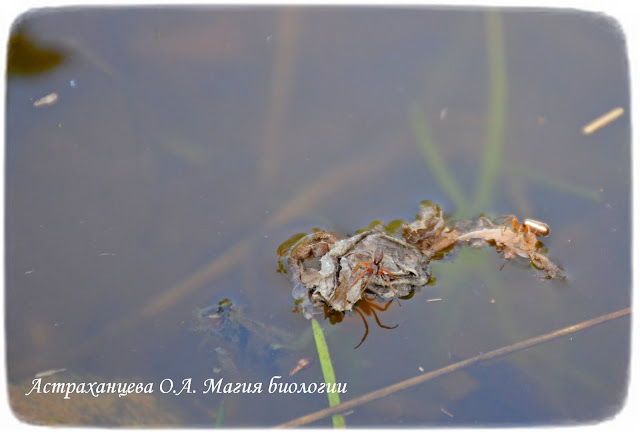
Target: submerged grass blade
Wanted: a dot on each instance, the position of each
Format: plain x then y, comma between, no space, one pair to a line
220,416
283,75
553,183
434,160
494,140
220,264
341,176
327,370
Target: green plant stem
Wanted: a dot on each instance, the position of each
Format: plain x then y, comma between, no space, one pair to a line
327,371
494,139
552,183
434,160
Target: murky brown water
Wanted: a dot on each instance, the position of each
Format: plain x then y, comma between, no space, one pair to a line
185,145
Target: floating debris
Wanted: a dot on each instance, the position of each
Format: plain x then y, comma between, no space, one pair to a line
340,281
49,372
446,412
302,364
511,243
429,232
333,275
49,99
602,121
402,263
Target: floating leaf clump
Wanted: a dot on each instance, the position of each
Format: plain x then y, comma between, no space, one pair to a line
332,273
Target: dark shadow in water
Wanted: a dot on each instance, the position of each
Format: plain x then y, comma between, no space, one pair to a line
26,56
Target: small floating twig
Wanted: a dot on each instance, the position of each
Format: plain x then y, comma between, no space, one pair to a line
602,121
49,372
49,99
446,412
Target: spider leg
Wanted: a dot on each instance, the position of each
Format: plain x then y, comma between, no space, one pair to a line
504,219
386,306
366,285
372,298
387,273
361,264
366,326
364,272
506,261
375,315
387,276
378,307
507,220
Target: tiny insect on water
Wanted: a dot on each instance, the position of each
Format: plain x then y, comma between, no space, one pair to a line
532,226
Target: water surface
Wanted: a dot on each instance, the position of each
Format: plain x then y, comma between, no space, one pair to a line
186,144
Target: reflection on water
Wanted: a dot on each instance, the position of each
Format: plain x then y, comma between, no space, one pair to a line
231,332
187,144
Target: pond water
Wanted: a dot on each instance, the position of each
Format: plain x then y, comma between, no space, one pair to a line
186,144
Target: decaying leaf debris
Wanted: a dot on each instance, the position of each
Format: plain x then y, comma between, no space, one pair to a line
335,273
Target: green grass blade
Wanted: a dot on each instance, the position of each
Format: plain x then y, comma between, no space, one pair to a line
220,416
327,371
494,140
434,160
553,183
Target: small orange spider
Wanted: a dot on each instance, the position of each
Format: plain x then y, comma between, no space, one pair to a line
528,225
373,268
